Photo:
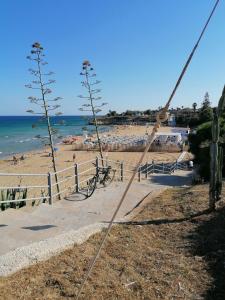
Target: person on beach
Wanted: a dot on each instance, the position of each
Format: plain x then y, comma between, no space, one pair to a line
74,157
15,160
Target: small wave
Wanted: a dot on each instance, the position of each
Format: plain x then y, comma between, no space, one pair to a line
25,140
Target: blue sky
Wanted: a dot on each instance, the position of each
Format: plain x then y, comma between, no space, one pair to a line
137,47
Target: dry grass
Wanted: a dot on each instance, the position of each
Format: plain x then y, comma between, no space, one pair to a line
173,249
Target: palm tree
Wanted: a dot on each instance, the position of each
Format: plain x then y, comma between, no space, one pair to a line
194,105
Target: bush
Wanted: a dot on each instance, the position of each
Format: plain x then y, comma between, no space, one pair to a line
200,144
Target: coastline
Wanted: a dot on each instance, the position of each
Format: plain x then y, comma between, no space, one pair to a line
39,161
43,148
19,134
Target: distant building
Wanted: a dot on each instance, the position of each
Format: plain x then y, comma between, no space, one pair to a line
172,120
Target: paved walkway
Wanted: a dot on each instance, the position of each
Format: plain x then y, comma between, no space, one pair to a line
19,228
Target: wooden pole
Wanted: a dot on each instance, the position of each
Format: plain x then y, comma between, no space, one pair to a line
139,173
146,170
121,171
97,166
76,178
50,188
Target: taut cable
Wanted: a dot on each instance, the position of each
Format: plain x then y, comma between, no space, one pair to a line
161,117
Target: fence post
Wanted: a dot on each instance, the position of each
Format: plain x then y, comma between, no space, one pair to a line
146,170
121,171
50,188
139,174
149,169
76,178
96,163
153,167
96,166
176,164
163,167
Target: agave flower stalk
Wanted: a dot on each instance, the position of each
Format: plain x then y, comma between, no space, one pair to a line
47,106
92,98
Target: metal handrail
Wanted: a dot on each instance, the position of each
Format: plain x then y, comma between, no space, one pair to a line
26,199
61,171
22,174
123,167
85,162
85,171
61,192
63,180
22,187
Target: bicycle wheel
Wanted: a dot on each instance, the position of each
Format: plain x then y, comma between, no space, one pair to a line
90,188
109,177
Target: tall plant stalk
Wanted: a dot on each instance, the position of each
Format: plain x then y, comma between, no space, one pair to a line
46,105
92,98
216,156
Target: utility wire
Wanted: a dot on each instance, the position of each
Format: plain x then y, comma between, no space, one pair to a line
161,117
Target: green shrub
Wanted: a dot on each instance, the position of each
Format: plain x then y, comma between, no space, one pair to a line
200,144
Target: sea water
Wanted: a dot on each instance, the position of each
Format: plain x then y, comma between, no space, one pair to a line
18,135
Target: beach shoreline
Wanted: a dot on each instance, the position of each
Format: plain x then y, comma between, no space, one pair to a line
66,151
18,136
38,162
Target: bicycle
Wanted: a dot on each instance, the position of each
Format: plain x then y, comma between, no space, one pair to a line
104,176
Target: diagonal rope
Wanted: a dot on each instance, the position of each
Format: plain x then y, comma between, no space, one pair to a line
161,117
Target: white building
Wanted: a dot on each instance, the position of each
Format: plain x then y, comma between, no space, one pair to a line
171,120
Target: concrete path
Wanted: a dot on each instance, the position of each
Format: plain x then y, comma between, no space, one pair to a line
21,228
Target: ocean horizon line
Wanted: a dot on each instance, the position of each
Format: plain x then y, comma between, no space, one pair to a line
50,116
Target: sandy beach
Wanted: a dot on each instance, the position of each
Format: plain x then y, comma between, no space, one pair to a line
40,162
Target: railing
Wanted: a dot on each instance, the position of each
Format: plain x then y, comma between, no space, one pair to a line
160,168
73,178
69,181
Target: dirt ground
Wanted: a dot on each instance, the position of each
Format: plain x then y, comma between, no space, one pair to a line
172,249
